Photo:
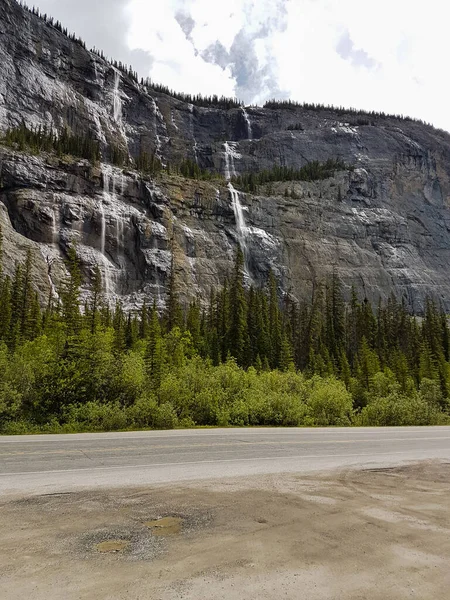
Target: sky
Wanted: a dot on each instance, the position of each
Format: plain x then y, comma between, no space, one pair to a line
384,55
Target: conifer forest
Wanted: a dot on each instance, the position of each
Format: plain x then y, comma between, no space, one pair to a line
248,357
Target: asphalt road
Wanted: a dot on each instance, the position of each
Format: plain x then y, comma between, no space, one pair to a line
61,463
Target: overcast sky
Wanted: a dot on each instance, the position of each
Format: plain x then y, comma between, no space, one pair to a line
386,55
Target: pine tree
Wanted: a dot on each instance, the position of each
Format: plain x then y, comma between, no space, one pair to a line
27,297
143,321
154,350
316,322
238,311
5,309
131,332
70,295
119,323
34,328
262,324
335,319
274,323
428,368
367,364
252,328
174,315
286,355
223,321
96,300
344,369
193,325
16,307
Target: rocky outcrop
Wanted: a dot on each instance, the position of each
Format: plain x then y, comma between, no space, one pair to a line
383,226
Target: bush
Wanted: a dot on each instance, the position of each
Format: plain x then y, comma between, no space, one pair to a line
399,410
329,402
96,417
166,417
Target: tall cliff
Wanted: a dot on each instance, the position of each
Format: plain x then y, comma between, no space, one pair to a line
382,225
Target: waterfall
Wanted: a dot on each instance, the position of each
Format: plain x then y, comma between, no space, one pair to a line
157,113
241,228
172,118
195,152
108,184
191,120
113,219
230,153
117,100
159,124
55,232
103,229
120,240
96,71
249,125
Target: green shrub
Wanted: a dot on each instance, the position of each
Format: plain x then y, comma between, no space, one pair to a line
166,417
399,410
329,402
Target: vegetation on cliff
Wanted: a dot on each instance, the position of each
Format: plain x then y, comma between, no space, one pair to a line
41,139
360,117
249,358
311,171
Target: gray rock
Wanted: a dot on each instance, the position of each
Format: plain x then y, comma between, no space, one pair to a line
386,231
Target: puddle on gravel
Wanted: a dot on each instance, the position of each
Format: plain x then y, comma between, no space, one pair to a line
165,526
112,546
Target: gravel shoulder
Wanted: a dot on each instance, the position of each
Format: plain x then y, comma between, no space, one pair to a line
349,534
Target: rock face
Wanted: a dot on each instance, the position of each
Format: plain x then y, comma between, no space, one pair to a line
383,226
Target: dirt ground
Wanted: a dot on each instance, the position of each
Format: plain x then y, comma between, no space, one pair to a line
370,534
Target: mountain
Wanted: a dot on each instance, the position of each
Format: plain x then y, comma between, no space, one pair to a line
380,220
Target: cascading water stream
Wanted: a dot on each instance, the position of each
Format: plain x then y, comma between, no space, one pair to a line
159,124
55,233
120,239
103,229
51,253
230,153
241,228
117,100
96,71
108,178
249,125
242,231
191,121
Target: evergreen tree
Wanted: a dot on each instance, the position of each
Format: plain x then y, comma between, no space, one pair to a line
193,325
96,300
70,295
286,355
5,309
154,350
174,315
238,310
143,322
16,307
27,297
274,323
119,323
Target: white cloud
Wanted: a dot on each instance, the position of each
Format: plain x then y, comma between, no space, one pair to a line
384,55
406,43
178,63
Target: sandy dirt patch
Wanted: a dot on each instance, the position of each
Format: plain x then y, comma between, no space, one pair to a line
374,534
